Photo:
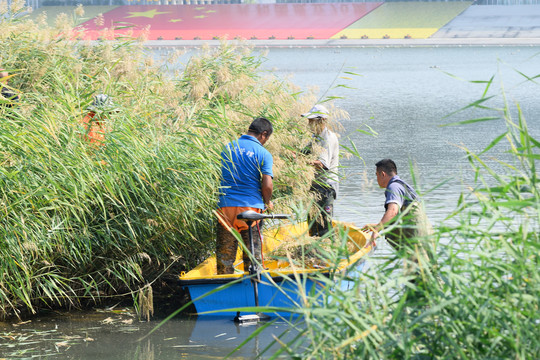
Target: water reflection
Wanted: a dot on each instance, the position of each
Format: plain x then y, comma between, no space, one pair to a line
119,335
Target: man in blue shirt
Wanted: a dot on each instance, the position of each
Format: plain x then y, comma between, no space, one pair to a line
412,229
246,184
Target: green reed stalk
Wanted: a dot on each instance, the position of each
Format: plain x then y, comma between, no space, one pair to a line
83,223
480,301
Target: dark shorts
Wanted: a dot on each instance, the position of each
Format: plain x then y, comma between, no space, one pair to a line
320,219
227,242
411,229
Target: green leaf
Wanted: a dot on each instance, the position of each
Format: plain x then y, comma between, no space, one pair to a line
472,121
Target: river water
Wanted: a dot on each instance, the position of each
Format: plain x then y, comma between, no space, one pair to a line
404,95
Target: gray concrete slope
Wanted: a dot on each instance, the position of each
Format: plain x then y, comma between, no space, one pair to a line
337,43
494,21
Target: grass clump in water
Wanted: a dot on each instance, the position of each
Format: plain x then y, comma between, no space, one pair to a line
480,301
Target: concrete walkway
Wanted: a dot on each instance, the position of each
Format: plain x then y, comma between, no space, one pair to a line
494,21
354,42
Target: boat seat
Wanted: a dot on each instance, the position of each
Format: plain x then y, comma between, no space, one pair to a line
254,216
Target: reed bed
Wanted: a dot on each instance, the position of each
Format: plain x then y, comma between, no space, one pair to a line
477,299
81,223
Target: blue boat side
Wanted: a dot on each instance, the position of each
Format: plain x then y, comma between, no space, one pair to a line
217,297
277,292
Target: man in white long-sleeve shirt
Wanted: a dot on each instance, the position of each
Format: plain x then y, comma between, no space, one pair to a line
326,183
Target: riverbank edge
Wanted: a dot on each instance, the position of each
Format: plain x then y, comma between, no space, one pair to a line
339,43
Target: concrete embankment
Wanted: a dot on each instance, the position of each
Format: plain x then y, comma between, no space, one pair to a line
494,21
356,42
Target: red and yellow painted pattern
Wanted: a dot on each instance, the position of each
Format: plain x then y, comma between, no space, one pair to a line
248,21
398,20
372,20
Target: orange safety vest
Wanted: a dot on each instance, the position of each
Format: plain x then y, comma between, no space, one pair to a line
94,129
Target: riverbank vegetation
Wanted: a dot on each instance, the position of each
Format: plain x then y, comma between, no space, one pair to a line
480,301
81,222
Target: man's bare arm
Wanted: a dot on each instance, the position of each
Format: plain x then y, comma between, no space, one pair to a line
267,188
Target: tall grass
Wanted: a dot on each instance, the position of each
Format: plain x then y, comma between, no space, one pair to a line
481,301
80,221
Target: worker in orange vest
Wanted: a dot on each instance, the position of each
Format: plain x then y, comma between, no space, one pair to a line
95,121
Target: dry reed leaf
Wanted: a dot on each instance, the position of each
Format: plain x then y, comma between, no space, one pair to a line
107,321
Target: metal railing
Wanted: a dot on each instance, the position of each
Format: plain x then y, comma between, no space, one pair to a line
39,3
507,2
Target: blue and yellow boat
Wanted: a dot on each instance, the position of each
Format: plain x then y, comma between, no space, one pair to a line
283,284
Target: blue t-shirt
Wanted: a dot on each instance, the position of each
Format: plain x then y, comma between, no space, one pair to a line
243,163
399,192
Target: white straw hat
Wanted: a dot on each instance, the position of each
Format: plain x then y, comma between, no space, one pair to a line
317,111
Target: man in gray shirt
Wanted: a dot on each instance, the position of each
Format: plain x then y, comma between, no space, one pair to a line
326,183
412,230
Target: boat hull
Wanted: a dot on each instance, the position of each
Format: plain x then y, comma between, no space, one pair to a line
280,291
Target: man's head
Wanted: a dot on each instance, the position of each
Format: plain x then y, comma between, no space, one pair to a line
316,112
3,74
386,169
261,128
317,117
102,103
